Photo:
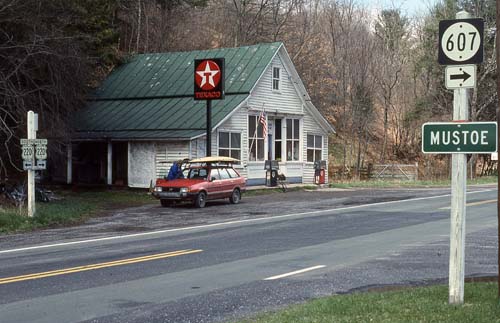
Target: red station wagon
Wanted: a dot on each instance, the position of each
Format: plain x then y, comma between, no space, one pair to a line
208,178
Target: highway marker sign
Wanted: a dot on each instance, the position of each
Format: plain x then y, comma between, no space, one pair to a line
461,41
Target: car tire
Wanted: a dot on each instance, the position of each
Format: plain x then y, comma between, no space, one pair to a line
200,200
165,203
235,197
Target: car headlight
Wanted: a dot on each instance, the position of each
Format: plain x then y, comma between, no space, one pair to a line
158,188
184,190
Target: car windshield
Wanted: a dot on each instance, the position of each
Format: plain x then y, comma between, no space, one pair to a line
198,173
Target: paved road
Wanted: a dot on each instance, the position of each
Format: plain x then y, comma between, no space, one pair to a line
220,271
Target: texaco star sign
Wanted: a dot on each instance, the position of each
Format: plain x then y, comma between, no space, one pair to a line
209,79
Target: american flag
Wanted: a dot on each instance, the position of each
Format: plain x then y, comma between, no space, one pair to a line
263,121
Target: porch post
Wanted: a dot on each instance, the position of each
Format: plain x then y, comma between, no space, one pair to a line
69,163
110,164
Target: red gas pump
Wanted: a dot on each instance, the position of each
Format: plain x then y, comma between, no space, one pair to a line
319,172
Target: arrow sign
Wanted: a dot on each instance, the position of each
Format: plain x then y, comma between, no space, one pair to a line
464,76
460,77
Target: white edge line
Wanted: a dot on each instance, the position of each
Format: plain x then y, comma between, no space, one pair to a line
294,272
225,223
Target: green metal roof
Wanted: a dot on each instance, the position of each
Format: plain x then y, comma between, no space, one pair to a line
151,95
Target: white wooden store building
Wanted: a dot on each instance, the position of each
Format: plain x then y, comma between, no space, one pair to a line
143,118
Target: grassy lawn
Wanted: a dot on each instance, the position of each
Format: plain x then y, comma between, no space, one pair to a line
389,184
425,304
71,208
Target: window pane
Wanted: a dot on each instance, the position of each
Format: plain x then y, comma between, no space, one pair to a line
235,140
232,172
236,154
295,150
289,150
289,129
260,131
310,141
318,141
317,155
276,72
223,173
224,152
310,155
277,127
224,139
253,150
260,149
214,173
276,84
296,129
251,126
277,150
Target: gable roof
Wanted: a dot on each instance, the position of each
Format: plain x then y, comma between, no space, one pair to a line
151,96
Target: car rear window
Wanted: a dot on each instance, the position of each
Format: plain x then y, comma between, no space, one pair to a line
232,173
223,173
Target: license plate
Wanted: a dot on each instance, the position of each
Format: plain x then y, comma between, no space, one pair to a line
170,194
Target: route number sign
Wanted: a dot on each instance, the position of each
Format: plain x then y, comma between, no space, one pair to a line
41,152
34,153
461,41
28,152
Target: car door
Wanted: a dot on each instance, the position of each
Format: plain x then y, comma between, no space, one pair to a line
227,183
214,186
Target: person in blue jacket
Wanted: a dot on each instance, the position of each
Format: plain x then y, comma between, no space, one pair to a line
175,171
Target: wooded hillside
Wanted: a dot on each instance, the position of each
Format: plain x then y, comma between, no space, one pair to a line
374,76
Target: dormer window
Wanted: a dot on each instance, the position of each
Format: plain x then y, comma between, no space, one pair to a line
276,78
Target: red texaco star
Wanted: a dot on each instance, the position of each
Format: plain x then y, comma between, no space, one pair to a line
207,75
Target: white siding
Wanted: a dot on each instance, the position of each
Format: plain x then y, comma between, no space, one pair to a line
312,128
141,164
286,100
237,123
167,153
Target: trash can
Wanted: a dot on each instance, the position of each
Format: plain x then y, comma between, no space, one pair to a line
271,167
320,172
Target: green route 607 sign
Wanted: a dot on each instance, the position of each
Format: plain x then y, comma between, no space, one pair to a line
461,41
453,137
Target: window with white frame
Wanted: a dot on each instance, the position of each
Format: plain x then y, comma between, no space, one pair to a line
293,139
230,144
276,78
314,147
255,139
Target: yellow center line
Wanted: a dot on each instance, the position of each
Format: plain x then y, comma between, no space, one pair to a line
77,269
472,204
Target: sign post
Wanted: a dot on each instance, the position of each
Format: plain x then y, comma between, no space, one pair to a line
460,43
209,85
32,128
33,150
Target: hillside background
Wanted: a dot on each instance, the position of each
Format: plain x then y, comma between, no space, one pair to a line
373,74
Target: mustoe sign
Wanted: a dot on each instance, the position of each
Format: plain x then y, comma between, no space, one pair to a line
209,79
465,138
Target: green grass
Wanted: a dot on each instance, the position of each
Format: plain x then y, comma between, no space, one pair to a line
395,183
72,208
426,304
